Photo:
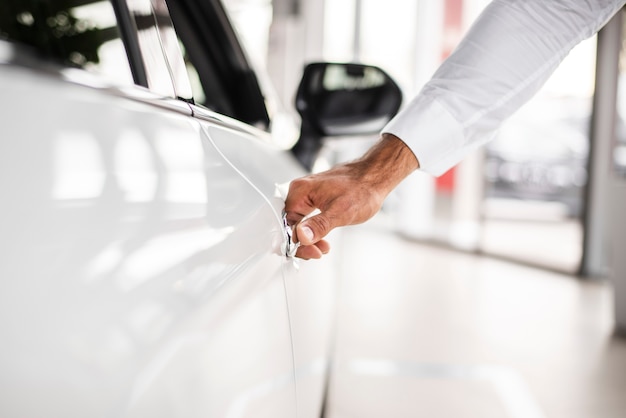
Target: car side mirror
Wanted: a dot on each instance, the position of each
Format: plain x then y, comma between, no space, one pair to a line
342,100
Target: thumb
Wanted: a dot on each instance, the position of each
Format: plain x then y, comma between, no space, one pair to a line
313,229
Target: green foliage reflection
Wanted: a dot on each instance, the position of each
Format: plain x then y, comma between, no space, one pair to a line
69,31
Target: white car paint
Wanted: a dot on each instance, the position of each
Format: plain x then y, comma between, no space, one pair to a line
142,273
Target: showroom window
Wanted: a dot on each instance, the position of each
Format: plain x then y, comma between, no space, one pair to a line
619,153
82,34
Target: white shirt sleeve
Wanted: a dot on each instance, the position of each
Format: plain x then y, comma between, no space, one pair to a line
508,54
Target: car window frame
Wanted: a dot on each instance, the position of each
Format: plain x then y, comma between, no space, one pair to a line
128,31
214,38
141,72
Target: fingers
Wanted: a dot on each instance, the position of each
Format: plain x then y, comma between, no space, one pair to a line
313,229
298,203
316,251
302,201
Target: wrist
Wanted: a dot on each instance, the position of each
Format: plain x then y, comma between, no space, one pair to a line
387,163
400,153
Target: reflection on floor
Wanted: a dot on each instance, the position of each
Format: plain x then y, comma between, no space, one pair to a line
539,233
559,246
428,332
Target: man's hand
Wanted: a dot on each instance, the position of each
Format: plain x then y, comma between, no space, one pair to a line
347,194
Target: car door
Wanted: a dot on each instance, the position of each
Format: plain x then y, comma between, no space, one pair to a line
251,342
226,83
310,286
141,272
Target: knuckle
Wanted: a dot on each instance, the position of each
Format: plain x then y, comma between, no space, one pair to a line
322,224
298,184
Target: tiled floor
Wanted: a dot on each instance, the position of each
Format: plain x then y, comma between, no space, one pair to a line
428,332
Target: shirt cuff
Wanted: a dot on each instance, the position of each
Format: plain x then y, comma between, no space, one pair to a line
431,132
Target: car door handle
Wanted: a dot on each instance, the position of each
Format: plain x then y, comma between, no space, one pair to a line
290,247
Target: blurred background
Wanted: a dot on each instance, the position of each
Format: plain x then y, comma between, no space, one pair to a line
487,291
524,196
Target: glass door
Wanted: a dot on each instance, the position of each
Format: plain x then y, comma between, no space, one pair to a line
535,171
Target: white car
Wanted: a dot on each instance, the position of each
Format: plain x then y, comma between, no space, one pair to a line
145,267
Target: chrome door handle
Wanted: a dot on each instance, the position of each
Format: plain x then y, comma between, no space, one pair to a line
290,247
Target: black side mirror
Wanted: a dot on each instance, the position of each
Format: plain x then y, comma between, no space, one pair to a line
342,99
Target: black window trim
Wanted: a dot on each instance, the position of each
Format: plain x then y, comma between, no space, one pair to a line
130,39
208,21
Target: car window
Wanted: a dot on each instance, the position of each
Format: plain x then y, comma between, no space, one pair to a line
221,76
165,68
80,33
209,89
157,71
172,50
